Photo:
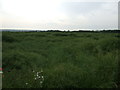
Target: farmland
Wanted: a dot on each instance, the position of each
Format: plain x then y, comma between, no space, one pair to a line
64,59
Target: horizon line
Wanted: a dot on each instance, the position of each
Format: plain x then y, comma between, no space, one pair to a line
55,29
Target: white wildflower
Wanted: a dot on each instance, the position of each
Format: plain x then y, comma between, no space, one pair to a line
37,73
41,82
42,77
26,83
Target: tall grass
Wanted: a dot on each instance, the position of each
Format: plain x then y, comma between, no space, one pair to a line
68,59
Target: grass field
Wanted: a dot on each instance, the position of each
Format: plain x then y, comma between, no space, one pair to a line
63,59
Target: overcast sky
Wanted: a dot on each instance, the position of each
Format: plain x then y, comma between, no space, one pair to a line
59,14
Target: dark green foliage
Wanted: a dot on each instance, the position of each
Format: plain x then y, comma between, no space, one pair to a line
68,59
8,38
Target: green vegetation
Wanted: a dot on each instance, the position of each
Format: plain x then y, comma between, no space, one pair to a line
67,59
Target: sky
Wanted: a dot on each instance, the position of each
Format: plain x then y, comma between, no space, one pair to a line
59,14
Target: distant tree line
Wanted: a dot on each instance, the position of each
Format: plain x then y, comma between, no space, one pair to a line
12,30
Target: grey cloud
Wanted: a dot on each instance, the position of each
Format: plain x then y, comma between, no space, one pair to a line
76,8
78,15
98,15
